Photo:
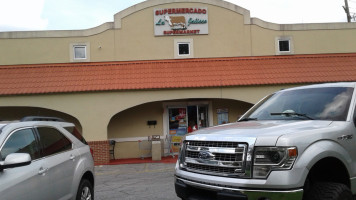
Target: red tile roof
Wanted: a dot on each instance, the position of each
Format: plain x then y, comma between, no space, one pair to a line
164,74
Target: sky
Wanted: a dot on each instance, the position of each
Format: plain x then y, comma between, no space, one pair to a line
31,15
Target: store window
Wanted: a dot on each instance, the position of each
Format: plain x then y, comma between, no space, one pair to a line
223,115
183,49
80,52
284,45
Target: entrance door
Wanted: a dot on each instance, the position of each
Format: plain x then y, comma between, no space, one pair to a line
192,119
183,120
197,117
203,116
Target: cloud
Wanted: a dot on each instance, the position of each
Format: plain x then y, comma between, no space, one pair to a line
295,11
21,15
82,14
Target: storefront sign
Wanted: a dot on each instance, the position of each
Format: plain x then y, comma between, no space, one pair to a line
180,21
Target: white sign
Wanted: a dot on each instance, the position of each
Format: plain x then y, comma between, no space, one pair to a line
180,21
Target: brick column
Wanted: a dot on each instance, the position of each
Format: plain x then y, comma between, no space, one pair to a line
100,151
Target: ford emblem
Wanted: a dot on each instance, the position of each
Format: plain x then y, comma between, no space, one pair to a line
206,155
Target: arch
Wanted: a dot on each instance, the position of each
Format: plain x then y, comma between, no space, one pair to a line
130,125
18,112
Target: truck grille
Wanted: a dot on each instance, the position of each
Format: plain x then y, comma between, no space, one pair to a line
215,158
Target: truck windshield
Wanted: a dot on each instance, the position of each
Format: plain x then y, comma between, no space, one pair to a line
331,103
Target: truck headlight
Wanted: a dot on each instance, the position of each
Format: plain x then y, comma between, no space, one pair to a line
267,159
181,155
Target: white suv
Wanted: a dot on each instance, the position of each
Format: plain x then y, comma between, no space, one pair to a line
44,158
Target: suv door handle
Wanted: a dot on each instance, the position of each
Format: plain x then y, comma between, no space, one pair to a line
42,171
72,157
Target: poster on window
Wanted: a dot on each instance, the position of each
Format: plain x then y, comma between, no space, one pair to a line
223,116
177,121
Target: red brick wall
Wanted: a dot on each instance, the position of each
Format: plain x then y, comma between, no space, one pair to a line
100,151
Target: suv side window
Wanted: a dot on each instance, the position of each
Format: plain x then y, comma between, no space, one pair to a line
21,141
53,141
74,131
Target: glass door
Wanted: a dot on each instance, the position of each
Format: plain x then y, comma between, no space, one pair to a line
203,116
183,120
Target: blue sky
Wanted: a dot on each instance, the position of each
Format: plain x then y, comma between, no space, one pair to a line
25,15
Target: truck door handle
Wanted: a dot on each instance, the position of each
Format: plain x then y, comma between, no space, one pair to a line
345,137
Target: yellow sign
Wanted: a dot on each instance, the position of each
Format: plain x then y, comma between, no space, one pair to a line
176,139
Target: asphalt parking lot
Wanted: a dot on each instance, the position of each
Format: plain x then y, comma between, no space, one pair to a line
135,182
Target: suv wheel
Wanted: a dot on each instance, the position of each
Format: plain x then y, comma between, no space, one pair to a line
329,191
85,191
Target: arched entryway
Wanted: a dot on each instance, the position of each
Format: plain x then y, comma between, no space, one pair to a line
18,112
167,118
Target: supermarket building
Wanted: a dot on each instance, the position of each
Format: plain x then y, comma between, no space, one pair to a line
163,64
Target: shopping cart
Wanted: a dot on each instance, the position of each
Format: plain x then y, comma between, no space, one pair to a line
145,148
168,148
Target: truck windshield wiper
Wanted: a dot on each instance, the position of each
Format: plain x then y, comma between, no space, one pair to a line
292,114
247,119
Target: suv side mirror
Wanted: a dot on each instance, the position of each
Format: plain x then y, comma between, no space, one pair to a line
15,160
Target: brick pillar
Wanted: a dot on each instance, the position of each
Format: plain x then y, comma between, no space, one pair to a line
100,151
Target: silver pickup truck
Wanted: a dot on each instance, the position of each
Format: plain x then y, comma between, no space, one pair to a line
294,144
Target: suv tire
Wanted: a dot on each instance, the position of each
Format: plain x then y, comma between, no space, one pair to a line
329,191
85,190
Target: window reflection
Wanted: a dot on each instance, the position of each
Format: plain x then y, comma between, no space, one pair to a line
317,103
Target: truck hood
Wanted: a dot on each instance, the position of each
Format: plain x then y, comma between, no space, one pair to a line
255,131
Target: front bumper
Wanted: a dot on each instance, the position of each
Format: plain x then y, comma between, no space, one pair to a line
187,189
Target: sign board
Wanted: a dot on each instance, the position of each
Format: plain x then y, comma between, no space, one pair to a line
180,21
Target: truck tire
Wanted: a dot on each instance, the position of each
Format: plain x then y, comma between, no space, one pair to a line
329,191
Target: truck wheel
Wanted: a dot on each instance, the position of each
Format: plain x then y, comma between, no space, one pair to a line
85,191
329,191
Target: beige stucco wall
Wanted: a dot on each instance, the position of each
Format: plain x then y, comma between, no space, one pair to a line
304,41
227,36
95,110
133,121
54,50
131,37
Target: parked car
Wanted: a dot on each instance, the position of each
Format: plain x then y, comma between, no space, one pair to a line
295,144
44,158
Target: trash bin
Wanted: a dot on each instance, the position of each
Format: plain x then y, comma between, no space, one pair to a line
156,148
